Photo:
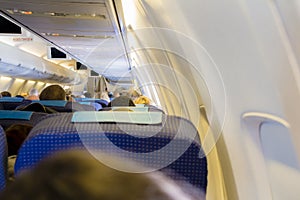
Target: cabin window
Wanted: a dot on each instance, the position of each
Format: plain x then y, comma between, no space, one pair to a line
281,161
277,144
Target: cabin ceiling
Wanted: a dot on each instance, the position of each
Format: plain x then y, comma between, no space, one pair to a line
84,29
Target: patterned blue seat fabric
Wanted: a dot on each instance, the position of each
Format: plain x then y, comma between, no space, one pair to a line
181,156
102,102
3,158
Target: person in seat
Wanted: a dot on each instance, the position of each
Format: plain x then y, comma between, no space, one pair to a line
33,94
53,92
74,175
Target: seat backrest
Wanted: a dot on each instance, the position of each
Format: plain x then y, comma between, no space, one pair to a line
102,102
154,108
9,117
65,106
11,103
3,159
172,145
96,106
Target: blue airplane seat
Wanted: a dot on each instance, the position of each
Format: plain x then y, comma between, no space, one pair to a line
65,106
11,103
3,158
172,146
102,102
9,117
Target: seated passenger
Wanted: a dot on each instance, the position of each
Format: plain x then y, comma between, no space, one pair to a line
16,135
116,93
33,94
53,92
121,101
78,175
71,98
110,95
104,96
87,95
20,96
134,95
35,107
6,94
142,100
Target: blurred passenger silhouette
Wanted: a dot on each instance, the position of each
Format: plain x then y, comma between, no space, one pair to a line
6,94
33,94
121,101
16,135
78,175
142,100
53,92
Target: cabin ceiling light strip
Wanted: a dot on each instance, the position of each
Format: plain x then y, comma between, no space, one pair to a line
78,36
56,14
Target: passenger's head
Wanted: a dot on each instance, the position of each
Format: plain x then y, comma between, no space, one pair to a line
134,94
121,101
87,95
6,94
16,135
70,98
78,175
33,94
68,92
53,92
116,93
142,100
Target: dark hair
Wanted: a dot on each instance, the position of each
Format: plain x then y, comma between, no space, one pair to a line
78,175
53,92
16,135
87,95
6,94
121,101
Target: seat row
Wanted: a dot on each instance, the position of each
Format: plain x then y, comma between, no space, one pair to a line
83,104
170,144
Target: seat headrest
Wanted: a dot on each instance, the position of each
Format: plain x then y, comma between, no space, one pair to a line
14,114
118,116
11,99
132,108
140,105
58,103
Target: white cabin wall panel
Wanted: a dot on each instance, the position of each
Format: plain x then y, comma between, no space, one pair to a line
289,13
40,86
141,37
242,40
16,86
147,64
19,86
27,86
6,82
